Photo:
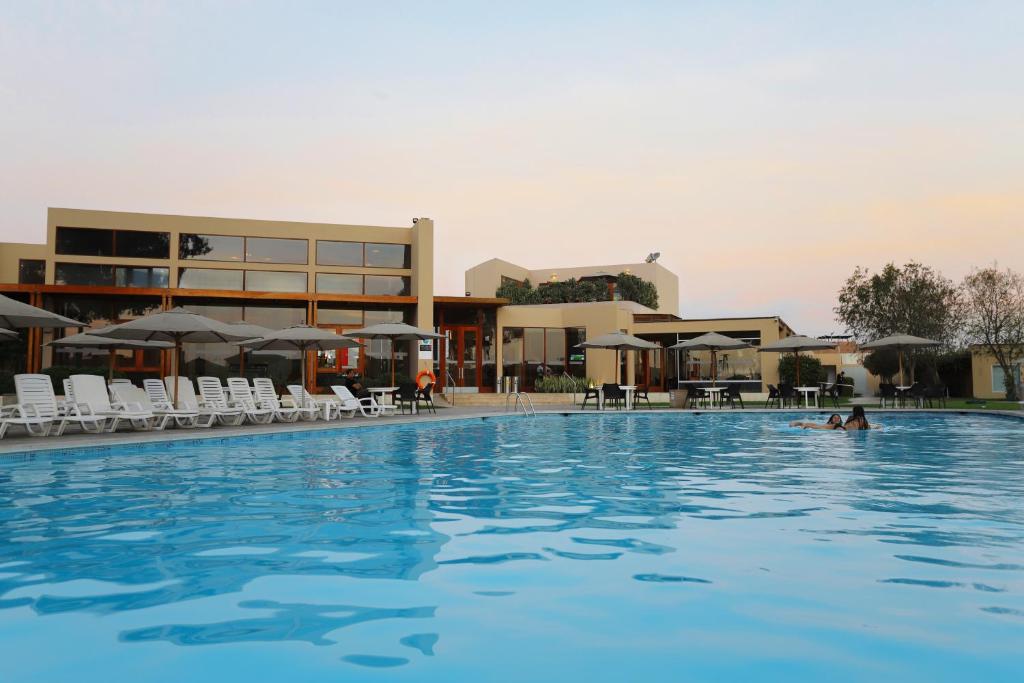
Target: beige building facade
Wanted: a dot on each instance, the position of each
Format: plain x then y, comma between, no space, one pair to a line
988,377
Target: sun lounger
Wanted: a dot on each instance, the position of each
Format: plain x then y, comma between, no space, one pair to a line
160,404
366,406
91,398
267,396
187,400
36,409
241,396
332,408
129,396
212,393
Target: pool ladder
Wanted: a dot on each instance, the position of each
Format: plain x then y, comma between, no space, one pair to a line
522,400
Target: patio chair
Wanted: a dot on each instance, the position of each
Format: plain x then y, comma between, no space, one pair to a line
187,400
774,397
127,395
640,394
332,408
915,393
406,394
832,393
613,393
426,397
935,393
161,402
241,397
591,393
266,394
887,394
92,398
367,406
37,409
698,397
732,394
788,396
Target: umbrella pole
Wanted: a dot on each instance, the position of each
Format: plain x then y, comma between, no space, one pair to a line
796,356
177,368
901,368
714,368
241,361
392,362
302,368
110,366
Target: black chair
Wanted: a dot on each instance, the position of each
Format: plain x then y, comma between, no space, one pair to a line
406,395
613,393
916,393
774,397
935,393
732,394
424,396
887,394
788,395
640,394
591,393
698,397
833,392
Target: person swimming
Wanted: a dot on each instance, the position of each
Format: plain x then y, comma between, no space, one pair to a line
857,420
835,421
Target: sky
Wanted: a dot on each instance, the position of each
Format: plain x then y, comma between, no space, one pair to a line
766,149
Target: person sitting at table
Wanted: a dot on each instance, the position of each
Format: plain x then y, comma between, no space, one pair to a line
351,380
858,421
835,421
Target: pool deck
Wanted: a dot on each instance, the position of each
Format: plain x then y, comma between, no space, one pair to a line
22,444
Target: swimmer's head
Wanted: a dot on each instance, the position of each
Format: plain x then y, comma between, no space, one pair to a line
835,419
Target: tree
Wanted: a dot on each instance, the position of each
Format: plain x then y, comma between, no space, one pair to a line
811,371
632,288
884,363
994,307
913,300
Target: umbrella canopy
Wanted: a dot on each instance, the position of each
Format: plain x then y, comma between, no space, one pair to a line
16,314
618,341
253,332
95,341
795,345
300,338
394,332
713,342
7,333
899,342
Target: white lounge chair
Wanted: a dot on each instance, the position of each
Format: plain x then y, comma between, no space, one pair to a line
241,396
187,400
366,406
161,405
36,409
91,398
332,408
267,396
127,395
212,393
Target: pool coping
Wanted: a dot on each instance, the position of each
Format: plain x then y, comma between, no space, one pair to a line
80,443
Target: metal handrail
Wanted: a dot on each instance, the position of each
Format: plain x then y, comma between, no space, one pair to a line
522,399
572,381
449,386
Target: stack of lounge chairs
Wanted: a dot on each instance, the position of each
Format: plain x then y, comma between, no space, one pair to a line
96,407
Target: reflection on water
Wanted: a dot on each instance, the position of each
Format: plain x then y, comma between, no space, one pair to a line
433,549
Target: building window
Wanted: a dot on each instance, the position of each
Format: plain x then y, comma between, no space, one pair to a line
574,336
31,272
375,316
387,255
210,278
999,378
512,352
129,276
86,274
274,250
274,281
387,285
85,242
211,247
339,283
328,315
330,253
142,244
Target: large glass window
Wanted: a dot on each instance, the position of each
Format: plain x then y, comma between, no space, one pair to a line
575,336
387,255
554,351
274,281
329,253
85,242
387,285
209,278
339,283
129,276
999,377
373,316
211,247
142,244
327,315
86,274
275,250
533,354
31,272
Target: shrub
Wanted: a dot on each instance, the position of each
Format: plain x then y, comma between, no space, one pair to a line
884,363
560,384
811,372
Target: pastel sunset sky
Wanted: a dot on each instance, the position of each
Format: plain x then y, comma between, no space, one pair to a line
764,148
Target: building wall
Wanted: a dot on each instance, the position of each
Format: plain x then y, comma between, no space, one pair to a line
982,364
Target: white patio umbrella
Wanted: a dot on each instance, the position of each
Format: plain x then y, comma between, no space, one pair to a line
252,332
176,326
795,345
899,342
17,314
713,342
394,332
618,341
302,338
7,333
94,340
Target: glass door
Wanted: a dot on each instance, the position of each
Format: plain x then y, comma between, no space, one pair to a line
462,353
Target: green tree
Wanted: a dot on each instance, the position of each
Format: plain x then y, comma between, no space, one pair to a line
811,371
518,294
884,363
994,306
632,288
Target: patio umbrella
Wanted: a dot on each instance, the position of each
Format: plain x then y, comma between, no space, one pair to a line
899,342
16,314
252,332
95,341
618,341
7,333
394,332
795,345
176,326
713,342
300,338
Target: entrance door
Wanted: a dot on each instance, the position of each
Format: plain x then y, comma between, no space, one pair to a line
649,369
462,351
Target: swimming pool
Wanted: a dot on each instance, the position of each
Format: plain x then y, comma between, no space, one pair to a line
657,547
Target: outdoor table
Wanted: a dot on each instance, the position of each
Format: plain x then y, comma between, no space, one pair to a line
716,395
902,392
629,389
387,391
807,391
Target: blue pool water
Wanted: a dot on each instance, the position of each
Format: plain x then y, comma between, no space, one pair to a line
602,548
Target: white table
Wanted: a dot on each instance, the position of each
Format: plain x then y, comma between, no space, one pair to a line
807,391
903,393
716,395
628,388
378,394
